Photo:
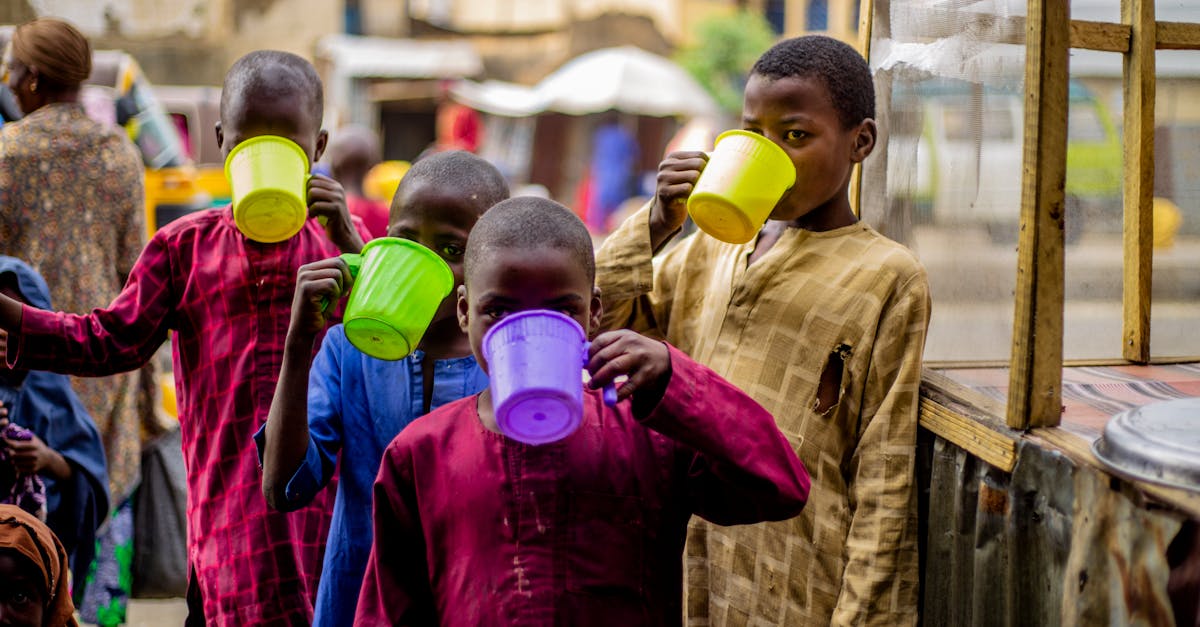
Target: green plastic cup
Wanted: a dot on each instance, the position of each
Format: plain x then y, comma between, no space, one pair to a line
398,286
745,177
268,180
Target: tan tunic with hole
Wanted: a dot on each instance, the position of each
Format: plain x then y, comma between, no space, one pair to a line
852,304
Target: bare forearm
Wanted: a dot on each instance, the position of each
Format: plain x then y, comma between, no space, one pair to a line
662,227
10,314
58,467
349,241
287,437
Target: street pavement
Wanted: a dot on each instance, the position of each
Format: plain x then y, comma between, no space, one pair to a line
972,282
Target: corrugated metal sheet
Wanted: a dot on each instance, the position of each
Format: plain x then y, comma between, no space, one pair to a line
1051,543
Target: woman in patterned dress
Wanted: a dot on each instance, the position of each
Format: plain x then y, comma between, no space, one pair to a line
71,204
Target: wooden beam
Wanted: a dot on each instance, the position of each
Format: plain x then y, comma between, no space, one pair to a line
1177,36
969,434
1139,179
1035,384
1099,36
865,13
947,391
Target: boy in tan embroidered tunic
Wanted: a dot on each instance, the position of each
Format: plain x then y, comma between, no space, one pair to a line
820,319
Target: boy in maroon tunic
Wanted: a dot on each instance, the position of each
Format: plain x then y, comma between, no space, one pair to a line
473,528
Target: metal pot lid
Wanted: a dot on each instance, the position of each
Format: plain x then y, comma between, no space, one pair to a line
1159,443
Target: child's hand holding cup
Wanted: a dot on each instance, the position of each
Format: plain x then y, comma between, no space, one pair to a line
744,179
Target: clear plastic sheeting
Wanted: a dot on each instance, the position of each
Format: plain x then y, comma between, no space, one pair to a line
1094,259
945,178
1175,305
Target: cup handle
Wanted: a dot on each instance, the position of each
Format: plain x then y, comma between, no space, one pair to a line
354,264
610,391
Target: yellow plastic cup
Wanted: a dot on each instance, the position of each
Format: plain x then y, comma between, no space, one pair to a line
268,180
745,177
398,287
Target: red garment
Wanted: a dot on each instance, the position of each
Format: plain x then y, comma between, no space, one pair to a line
373,213
228,299
472,528
459,127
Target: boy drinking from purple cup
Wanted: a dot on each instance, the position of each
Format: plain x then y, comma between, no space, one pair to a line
474,528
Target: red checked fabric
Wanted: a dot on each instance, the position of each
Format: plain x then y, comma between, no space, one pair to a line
228,299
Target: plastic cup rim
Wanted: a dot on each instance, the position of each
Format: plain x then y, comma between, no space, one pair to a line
262,139
486,344
381,242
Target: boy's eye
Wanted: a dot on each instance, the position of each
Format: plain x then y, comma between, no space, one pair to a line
495,313
794,135
453,251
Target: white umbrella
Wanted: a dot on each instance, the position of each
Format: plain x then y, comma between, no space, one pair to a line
627,79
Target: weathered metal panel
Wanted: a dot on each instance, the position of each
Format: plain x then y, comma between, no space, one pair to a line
1119,574
1041,523
1052,543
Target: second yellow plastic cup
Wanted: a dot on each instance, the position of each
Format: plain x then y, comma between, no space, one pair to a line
268,179
398,287
745,177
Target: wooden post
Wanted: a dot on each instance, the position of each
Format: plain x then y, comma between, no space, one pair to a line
1035,384
866,7
1139,177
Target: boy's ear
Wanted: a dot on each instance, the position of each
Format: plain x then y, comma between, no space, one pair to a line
464,316
864,140
322,140
597,312
220,134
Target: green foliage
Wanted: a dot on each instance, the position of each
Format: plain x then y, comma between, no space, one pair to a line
725,47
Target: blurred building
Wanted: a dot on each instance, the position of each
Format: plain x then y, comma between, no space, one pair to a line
190,42
388,64
788,18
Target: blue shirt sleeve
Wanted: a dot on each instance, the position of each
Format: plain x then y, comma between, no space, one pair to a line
324,423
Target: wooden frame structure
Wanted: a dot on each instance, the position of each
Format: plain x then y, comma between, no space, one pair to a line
1022,504
1048,33
1035,386
989,429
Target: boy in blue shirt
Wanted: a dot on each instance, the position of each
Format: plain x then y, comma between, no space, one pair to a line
356,402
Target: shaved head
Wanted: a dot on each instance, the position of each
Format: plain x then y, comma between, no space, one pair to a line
469,175
272,75
353,151
528,223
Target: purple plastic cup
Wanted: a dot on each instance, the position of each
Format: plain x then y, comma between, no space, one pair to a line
535,366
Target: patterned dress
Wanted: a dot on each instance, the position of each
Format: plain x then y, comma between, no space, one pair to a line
72,205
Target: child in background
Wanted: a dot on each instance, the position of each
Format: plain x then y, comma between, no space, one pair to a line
473,528
61,446
819,318
228,300
353,151
356,404
33,569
